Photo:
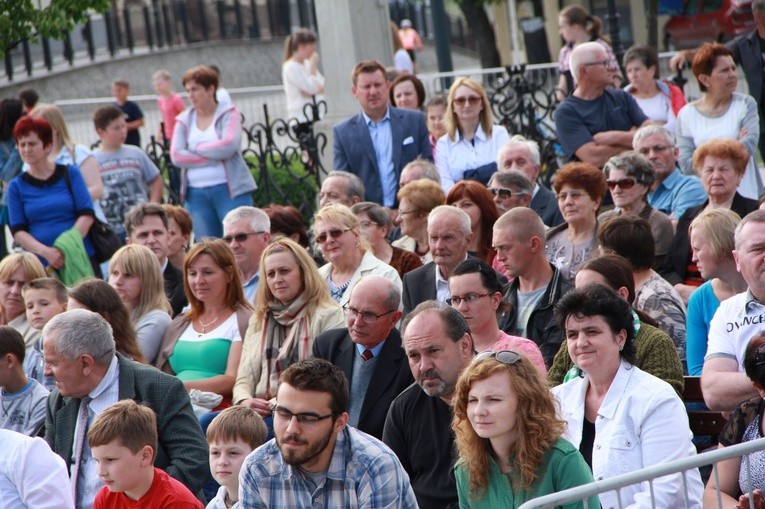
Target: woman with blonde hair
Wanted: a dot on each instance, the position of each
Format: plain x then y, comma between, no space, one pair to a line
349,257
135,273
415,201
469,147
508,436
16,270
292,307
202,346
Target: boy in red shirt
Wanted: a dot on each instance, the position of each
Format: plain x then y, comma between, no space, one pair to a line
123,440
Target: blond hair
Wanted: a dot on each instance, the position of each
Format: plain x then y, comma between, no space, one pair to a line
141,262
486,119
342,215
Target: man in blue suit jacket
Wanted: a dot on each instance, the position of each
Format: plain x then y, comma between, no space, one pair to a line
378,142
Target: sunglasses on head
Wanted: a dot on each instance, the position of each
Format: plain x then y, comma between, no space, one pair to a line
504,356
335,234
625,183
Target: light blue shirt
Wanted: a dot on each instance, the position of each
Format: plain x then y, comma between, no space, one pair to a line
676,194
250,287
382,139
375,351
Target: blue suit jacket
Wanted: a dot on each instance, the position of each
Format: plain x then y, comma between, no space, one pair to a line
354,152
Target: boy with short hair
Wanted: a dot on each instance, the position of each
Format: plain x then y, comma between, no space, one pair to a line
169,102
127,171
123,440
131,110
22,399
232,435
44,298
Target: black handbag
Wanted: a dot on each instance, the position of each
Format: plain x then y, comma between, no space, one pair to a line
105,241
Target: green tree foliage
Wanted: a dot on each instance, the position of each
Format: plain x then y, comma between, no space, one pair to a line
24,19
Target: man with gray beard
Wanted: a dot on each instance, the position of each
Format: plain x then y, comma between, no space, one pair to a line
418,428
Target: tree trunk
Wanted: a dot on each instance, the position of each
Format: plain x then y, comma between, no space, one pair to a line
482,31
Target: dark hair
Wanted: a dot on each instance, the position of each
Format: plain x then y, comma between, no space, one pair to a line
705,58
478,194
238,422
11,110
418,87
287,220
105,115
646,55
12,342
38,125
138,213
301,36
454,323
754,359
29,97
577,15
131,424
630,237
202,75
98,296
599,300
489,279
180,216
314,374
584,176
367,67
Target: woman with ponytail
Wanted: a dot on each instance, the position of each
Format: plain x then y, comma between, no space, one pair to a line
300,73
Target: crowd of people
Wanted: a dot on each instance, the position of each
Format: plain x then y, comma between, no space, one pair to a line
445,331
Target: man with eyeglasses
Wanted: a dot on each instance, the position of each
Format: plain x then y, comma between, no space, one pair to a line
316,459
418,428
369,352
146,224
672,192
597,121
521,154
519,238
510,189
247,231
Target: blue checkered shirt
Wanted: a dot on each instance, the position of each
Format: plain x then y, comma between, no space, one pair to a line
363,472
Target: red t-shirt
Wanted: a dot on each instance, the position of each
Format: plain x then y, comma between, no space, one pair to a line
170,107
165,493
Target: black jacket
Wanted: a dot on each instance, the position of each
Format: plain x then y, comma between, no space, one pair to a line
174,288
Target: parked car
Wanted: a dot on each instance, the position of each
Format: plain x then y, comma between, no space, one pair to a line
706,21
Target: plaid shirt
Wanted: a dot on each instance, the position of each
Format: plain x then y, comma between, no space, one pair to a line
363,472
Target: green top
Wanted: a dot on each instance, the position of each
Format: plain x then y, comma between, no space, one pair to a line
656,354
196,360
562,468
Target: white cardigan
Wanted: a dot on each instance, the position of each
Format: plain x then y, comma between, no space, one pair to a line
370,265
641,422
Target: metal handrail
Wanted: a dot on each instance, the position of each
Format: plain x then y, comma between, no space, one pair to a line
647,474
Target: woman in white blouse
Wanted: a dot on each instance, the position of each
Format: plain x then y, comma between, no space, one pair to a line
300,74
469,147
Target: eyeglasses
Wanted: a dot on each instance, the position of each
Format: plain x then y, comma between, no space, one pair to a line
504,356
572,194
302,418
335,234
471,100
467,299
604,63
656,149
239,237
625,183
505,194
366,316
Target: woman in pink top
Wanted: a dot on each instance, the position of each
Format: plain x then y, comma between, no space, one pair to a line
476,292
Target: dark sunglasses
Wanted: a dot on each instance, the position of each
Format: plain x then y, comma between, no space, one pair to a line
335,234
239,237
625,183
504,194
504,356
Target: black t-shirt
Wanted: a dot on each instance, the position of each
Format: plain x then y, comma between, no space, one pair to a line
762,56
418,429
588,441
132,112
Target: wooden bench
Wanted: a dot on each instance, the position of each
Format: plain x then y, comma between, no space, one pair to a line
703,422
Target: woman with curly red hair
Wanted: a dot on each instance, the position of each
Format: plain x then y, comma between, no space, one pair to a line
475,199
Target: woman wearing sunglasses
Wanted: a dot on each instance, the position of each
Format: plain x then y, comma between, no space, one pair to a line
621,418
509,437
720,164
629,177
349,257
292,307
744,425
469,147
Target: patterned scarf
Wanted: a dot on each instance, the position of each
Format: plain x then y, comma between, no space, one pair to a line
285,340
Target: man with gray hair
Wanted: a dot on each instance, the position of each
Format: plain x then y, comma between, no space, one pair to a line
247,231
341,187
510,189
420,168
672,192
597,121
522,155
449,235
418,428
90,375
736,321
369,352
